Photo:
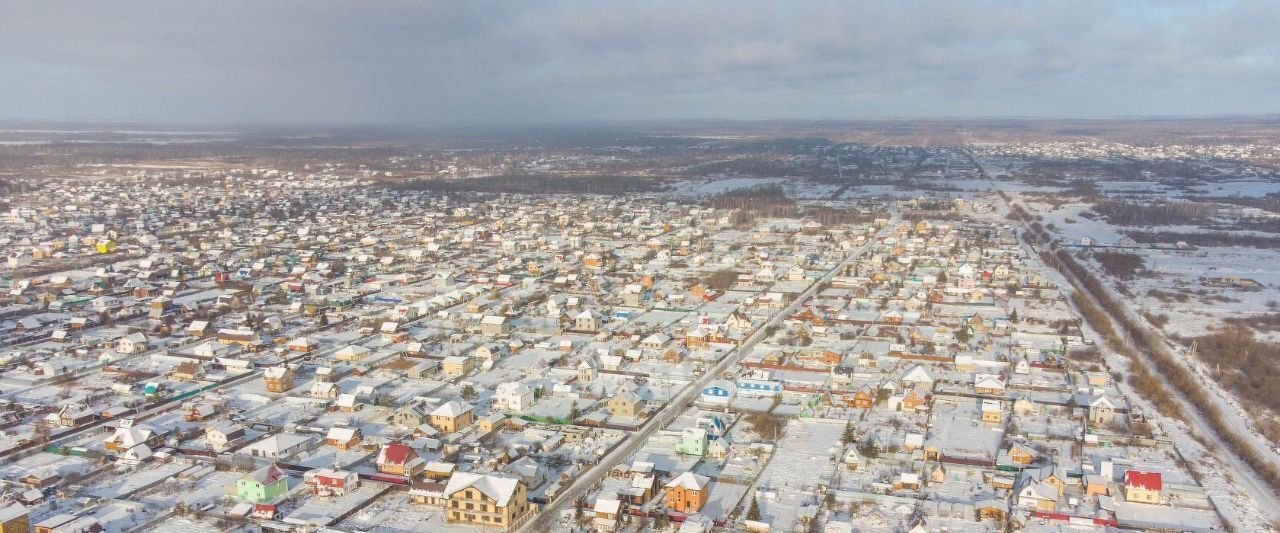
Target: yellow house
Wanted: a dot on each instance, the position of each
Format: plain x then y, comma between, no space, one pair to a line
1096,485
992,411
492,422
13,518
1142,486
1057,483
352,353
625,404
486,500
456,365
242,337
451,417
1021,454
107,246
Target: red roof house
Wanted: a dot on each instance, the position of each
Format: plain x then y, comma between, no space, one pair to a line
1143,480
1142,486
399,459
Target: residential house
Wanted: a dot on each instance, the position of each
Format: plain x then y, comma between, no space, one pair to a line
348,403
126,436
264,485
586,370
588,320
303,344
410,415
486,500
352,353
323,389
69,523
13,518
1020,454
917,377
1039,496
513,396
240,337
625,404
992,411
330,482
222,435
1142,487
457,366
278,379
187,371
132,343
1025,406
605,513
427,492
988,384
862,398
912,399
451,417
1102,410
198,328
495,325
400,460
693,441
279,446
687,493
342,438
528,470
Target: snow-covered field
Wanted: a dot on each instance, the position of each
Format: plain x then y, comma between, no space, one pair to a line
804,458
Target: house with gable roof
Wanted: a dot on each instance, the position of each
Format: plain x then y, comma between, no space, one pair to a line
486,500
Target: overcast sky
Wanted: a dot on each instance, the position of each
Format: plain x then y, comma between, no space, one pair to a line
474,62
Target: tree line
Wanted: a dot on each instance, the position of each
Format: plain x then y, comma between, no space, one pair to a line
1164,213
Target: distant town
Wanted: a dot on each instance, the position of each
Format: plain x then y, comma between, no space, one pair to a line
864,327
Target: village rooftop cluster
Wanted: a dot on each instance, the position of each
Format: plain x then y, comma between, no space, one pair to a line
283,350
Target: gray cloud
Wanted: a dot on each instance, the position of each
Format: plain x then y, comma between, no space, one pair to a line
393,62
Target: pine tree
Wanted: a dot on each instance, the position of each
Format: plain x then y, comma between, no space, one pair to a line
753,512
1013,316
847,437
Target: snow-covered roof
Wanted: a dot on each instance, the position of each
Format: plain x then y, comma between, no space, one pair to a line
497,488
689,481
451,409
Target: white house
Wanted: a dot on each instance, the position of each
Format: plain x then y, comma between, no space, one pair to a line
587,320
132,343
513,396
718,392
278,446
918,377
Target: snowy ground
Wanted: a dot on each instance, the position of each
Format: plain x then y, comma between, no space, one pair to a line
321,510
120,485
804,458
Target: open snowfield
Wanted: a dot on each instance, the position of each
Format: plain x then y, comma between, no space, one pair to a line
804,458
